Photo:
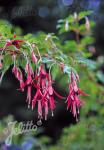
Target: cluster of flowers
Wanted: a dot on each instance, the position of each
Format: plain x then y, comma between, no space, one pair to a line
42,82
73,100
44,96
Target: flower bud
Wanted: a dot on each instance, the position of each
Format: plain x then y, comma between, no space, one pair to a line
34,59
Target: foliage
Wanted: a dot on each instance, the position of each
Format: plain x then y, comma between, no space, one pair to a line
88,133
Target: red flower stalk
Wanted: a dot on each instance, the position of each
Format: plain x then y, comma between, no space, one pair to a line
73,100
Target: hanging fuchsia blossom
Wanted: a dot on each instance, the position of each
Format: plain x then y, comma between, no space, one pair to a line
29,73
44,97
28,82
45,94
34,59
18,75
38,98
73,100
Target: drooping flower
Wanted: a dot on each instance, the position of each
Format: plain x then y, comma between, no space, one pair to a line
38,98
73,101
48,100
29,73
18,75
34,58
28,82
29,70
40,85
45,93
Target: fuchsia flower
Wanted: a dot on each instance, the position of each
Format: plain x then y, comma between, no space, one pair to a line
41,86
73,100
18,75
29,73
48,98
49,95
34,59
45,94
38,98
16,43
28,82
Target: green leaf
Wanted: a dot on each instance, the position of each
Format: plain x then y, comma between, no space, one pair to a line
67,69
84,14
5,28
100,76
89,63
87,40
46,60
